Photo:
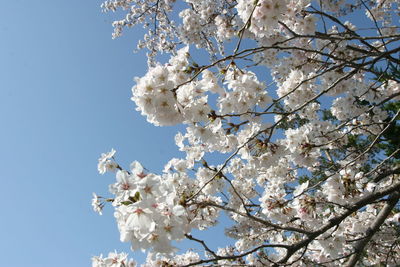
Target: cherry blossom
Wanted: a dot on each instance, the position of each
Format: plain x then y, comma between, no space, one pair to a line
290,115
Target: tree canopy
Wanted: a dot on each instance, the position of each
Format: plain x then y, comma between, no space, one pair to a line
299,100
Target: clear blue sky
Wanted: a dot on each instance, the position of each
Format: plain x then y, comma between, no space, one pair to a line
64,99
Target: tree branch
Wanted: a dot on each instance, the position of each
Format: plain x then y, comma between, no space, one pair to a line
361,244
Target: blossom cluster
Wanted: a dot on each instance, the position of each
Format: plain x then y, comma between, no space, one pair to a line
150,209
157,98
147,210
113,259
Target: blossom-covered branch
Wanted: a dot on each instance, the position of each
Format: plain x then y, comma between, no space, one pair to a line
298,104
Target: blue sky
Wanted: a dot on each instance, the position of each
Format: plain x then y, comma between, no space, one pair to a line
65,99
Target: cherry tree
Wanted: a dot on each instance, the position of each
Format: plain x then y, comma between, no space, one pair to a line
300,100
